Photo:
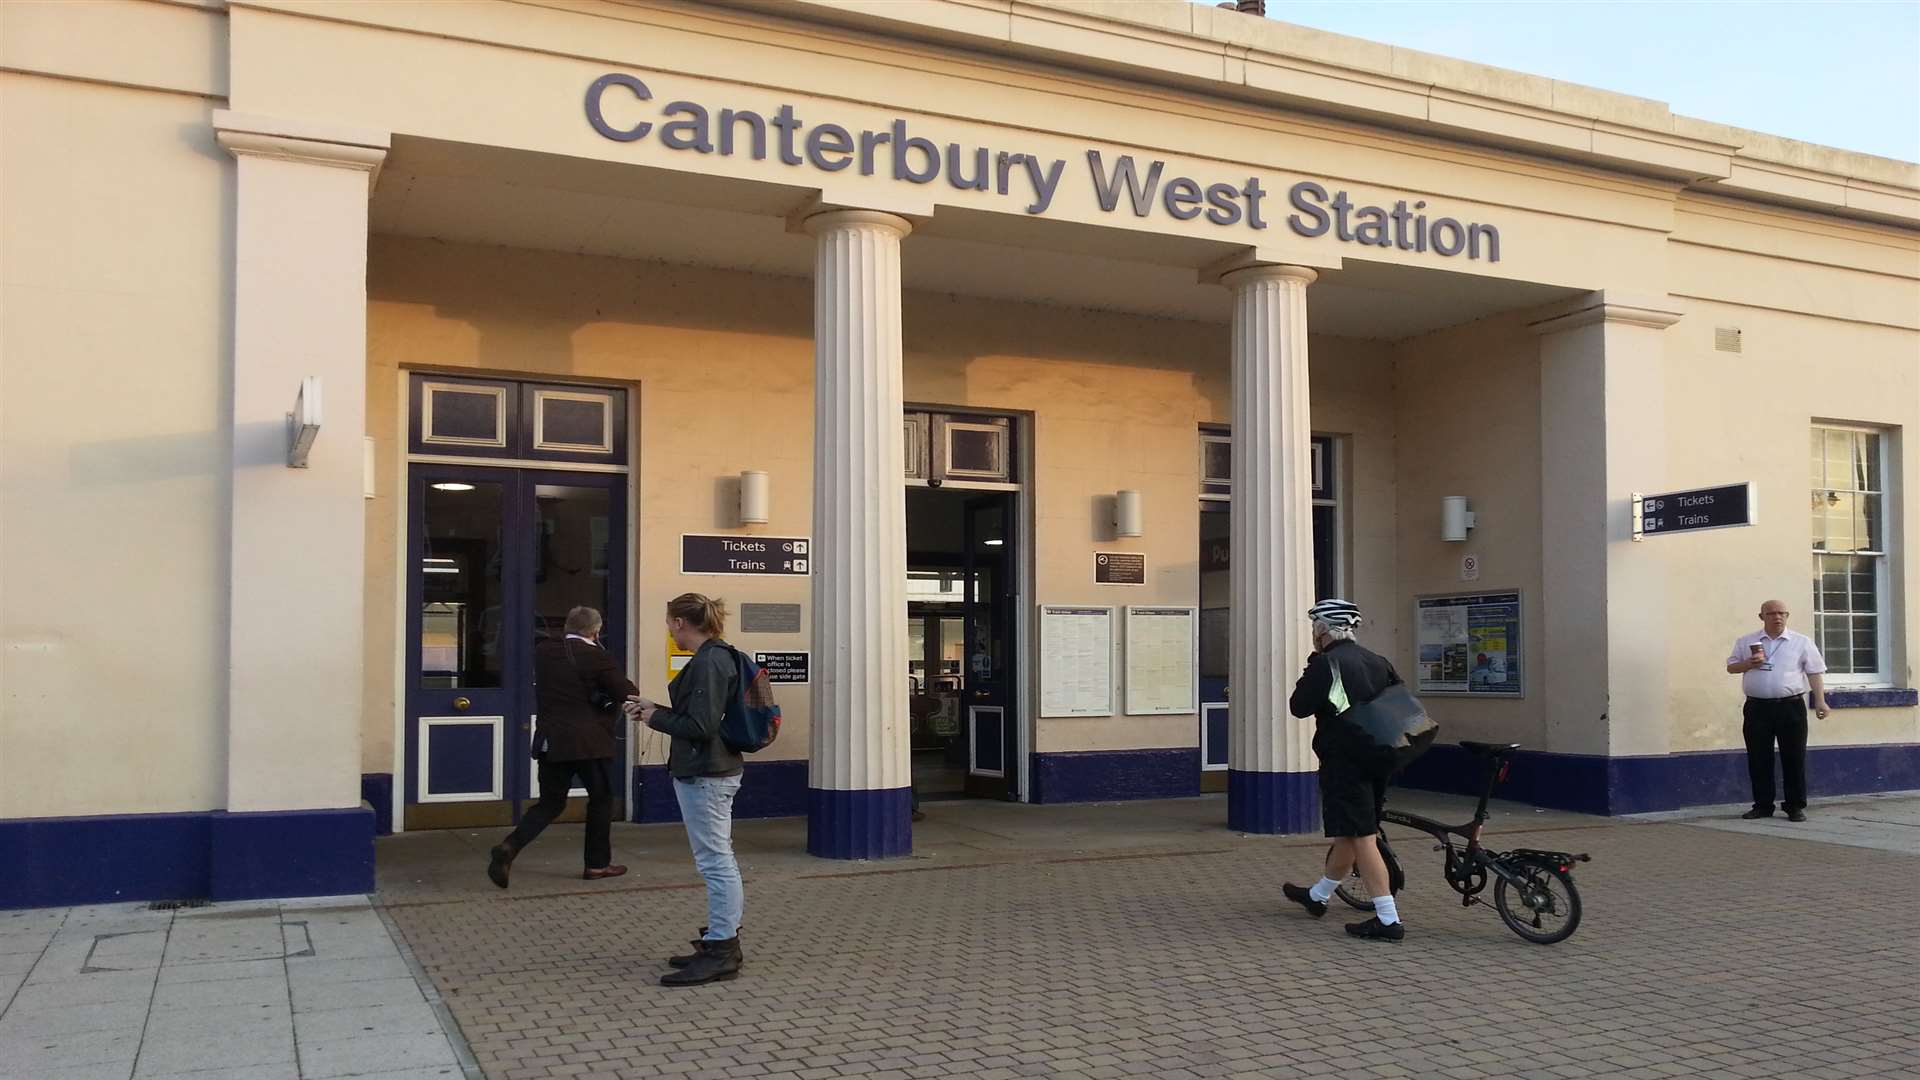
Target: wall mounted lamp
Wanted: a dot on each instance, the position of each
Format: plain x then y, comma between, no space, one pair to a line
1128,516
753,498
1455,518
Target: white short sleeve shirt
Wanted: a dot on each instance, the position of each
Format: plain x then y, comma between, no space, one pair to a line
1791,657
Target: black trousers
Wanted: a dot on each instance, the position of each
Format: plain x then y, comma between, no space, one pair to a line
1768,720
556,778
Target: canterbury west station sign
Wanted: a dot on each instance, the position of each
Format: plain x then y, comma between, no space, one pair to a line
1122,182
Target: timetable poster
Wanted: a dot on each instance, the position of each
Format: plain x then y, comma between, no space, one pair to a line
1468,644
1160,661
1076,661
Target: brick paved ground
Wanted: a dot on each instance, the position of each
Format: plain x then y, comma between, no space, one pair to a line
1703,954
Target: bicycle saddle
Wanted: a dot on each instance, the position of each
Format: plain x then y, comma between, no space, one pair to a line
1488,749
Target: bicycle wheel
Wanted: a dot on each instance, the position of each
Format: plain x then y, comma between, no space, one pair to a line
1546,909
1354,890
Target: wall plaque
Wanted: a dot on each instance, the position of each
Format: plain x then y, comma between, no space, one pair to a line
769,618
1119,568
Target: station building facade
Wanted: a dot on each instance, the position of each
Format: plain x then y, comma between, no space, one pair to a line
1018,371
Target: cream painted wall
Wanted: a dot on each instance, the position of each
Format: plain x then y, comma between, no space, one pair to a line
723,365
115,249
1467,410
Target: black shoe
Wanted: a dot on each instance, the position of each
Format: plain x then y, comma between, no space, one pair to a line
1304,898
1796,815
501,862
714,961
683,961
1375,930
1756,812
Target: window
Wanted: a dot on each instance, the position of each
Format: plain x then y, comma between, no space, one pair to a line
965,451
1850,545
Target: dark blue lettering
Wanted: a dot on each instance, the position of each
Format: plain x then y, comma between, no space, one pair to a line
818,147
1304,196
688,134
597,117
979,181
1373,227
1182,199
788,125
869,142
1254,193
1107,189
729,119
902,144
1044,184
1223,208
1474,233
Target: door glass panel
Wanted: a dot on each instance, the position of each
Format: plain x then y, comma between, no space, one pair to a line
572,546
460,592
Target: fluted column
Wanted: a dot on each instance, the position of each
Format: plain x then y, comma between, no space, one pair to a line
859,798
1270,786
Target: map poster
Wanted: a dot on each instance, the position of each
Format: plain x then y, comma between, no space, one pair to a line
1468,643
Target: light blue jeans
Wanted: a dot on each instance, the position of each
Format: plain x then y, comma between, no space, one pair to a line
706,806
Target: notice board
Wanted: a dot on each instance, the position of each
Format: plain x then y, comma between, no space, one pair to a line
1161,654
1076,660
1469,643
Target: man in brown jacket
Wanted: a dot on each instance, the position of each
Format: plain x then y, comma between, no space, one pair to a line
579,689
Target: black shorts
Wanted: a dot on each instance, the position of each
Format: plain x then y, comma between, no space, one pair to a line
1350,800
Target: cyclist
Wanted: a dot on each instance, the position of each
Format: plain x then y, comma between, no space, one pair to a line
1352,787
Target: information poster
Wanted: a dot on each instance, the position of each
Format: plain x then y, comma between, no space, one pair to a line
1160,661
1468,643
1076,661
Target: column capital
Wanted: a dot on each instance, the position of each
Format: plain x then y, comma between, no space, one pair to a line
246,134
1655,311
1258,272
824,220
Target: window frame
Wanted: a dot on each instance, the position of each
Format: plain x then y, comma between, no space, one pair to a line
1884,614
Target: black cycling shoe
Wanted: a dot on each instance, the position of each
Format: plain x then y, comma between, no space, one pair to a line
1375,930
1298,895
1756,812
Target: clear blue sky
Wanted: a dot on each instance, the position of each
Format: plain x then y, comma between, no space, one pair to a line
1843,73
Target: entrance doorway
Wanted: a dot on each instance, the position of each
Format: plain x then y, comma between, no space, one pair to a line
516,513
962,667
498,557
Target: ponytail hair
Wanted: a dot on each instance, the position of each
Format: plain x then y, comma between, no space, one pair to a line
703,613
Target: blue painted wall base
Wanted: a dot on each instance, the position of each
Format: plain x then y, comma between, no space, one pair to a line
1112,775
291,853
377,789
768,789
860,824
1273,803
1591,784
53,862
207,855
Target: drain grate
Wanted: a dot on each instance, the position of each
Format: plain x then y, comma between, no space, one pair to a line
175,905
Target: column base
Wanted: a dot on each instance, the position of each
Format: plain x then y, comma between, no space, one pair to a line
1273,802
873,824
291,853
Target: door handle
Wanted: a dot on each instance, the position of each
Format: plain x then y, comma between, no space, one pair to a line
461,704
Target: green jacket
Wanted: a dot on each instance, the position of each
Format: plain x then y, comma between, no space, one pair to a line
700,695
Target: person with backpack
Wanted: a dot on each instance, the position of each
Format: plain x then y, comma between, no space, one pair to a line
1340,675
706,771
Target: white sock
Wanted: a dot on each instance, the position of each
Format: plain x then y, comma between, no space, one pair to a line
1385,911
1323,889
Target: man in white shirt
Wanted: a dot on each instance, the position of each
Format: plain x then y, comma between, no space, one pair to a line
1777,666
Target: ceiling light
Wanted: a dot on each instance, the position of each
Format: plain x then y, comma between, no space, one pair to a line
451,486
